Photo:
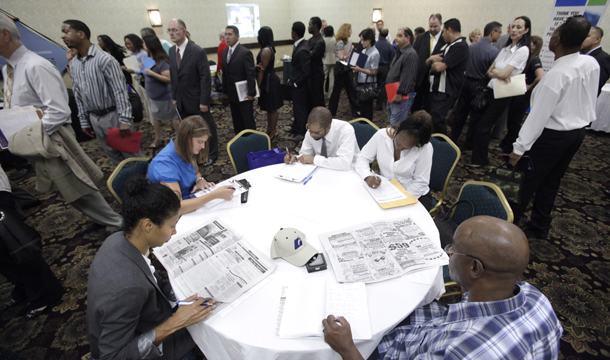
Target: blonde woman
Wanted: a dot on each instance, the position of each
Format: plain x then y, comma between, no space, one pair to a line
475,36
343,74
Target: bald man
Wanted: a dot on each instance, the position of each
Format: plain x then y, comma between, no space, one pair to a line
498,318
328,143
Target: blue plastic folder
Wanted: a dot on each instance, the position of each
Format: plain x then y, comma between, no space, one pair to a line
148,63
357,59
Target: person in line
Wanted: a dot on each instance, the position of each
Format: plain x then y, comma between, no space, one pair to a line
98,88
159,90
511,61
481,56
447,74
475,36
329,59
299,80
268,82
592,46
403,152
343,74
221,47
130,307
418,31
238,65
368,74
563,104
429,43
176,165
404,71
150,32
117,51
386,55
134,44
379,27
317,47
499,316
32,80
329,143
191,81
519,104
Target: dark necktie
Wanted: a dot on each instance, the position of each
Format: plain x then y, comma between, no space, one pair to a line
229,56
323,151
178,58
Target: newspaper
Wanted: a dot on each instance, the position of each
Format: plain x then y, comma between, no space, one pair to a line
381,250
213,261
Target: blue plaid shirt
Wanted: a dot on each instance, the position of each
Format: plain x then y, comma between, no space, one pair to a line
522,327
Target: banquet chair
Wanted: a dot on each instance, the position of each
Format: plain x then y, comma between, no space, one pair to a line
243,143
444,160
127,169
364,129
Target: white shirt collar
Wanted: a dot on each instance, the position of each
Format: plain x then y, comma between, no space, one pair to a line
183,46
296,43
234,46
592,50
17,55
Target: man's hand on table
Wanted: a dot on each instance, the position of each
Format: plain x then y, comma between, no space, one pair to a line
338,334
289,159
306,159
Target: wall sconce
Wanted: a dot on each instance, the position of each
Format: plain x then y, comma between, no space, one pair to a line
376,15
155,18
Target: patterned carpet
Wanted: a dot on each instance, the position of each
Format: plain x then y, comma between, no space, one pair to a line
572,267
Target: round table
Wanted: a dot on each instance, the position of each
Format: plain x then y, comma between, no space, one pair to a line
330,201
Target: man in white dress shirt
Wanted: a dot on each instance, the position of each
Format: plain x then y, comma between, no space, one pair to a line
329,143
563,104
33,80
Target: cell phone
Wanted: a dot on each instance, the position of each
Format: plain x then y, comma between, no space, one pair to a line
316,263
246,184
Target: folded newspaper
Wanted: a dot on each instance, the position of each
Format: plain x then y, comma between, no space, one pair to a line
213,261
381,250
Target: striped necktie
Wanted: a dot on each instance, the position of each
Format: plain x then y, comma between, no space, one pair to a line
9,86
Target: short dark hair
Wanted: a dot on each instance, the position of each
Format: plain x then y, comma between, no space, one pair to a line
438,16
317,22
408,33
453,24
598,30
299,28
418,125
419,30
265,38
383,33
135,40
79,26
321,115
574,31
146,200
234,28
489,28
368,34
329,31
147,31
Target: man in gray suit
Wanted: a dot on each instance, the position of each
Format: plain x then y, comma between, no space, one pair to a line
238,65
191,81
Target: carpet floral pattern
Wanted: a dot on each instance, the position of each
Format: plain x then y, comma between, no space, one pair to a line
572,267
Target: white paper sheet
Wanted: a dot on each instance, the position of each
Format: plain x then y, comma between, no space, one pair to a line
296,172
131,62
386,192
514,88
242,90
14,119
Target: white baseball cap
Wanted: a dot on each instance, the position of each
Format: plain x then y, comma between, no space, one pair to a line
290,245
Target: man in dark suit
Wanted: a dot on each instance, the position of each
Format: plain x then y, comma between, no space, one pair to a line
317,47
591,46
191,81
238,65
299,79
426,45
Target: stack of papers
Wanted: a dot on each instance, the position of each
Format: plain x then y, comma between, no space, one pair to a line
297,172
13,120
515,87
218,204
390,194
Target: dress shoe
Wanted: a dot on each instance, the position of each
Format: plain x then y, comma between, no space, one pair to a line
299,137
208,163
474,166
90,228
9,303
293,130
34,313
19,174
607,191
538,232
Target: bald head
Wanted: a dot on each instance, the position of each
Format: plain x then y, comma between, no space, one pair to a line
502,246
321,116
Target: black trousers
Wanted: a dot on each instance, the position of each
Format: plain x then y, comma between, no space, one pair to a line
462,109
483,124
366,107
382,75
299,107
207,116
34,281
342,80
423,92
516,110
316,91
439,105
551,155
242,114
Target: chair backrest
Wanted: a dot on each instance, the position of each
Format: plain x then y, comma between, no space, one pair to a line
487,198
243,143
127,169
444,160
364,130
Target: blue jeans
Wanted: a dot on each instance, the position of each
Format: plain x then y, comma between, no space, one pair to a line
397,113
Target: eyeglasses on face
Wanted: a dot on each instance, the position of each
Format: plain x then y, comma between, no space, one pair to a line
450,251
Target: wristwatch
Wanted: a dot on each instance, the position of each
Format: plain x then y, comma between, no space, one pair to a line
200,178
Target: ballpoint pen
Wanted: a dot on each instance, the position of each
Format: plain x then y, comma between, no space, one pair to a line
184,302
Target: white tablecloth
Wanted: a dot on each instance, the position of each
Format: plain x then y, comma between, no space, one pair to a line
330,201
602,111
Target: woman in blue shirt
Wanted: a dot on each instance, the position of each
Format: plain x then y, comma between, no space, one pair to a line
176,165
368,74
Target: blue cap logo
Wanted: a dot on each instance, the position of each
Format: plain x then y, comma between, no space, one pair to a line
298,243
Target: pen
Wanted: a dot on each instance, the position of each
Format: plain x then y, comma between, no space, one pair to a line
184,302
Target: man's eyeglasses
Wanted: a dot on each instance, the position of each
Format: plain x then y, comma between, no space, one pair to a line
450,251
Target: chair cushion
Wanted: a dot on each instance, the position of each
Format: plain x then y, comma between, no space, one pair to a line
364,132
485,201
130,170
442,161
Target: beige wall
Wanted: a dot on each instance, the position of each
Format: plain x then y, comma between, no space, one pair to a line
205,18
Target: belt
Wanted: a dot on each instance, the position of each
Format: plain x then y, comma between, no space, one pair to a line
103,111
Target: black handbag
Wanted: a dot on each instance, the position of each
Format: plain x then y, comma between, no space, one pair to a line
137,110
480,97
446,227
369,91
22,241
